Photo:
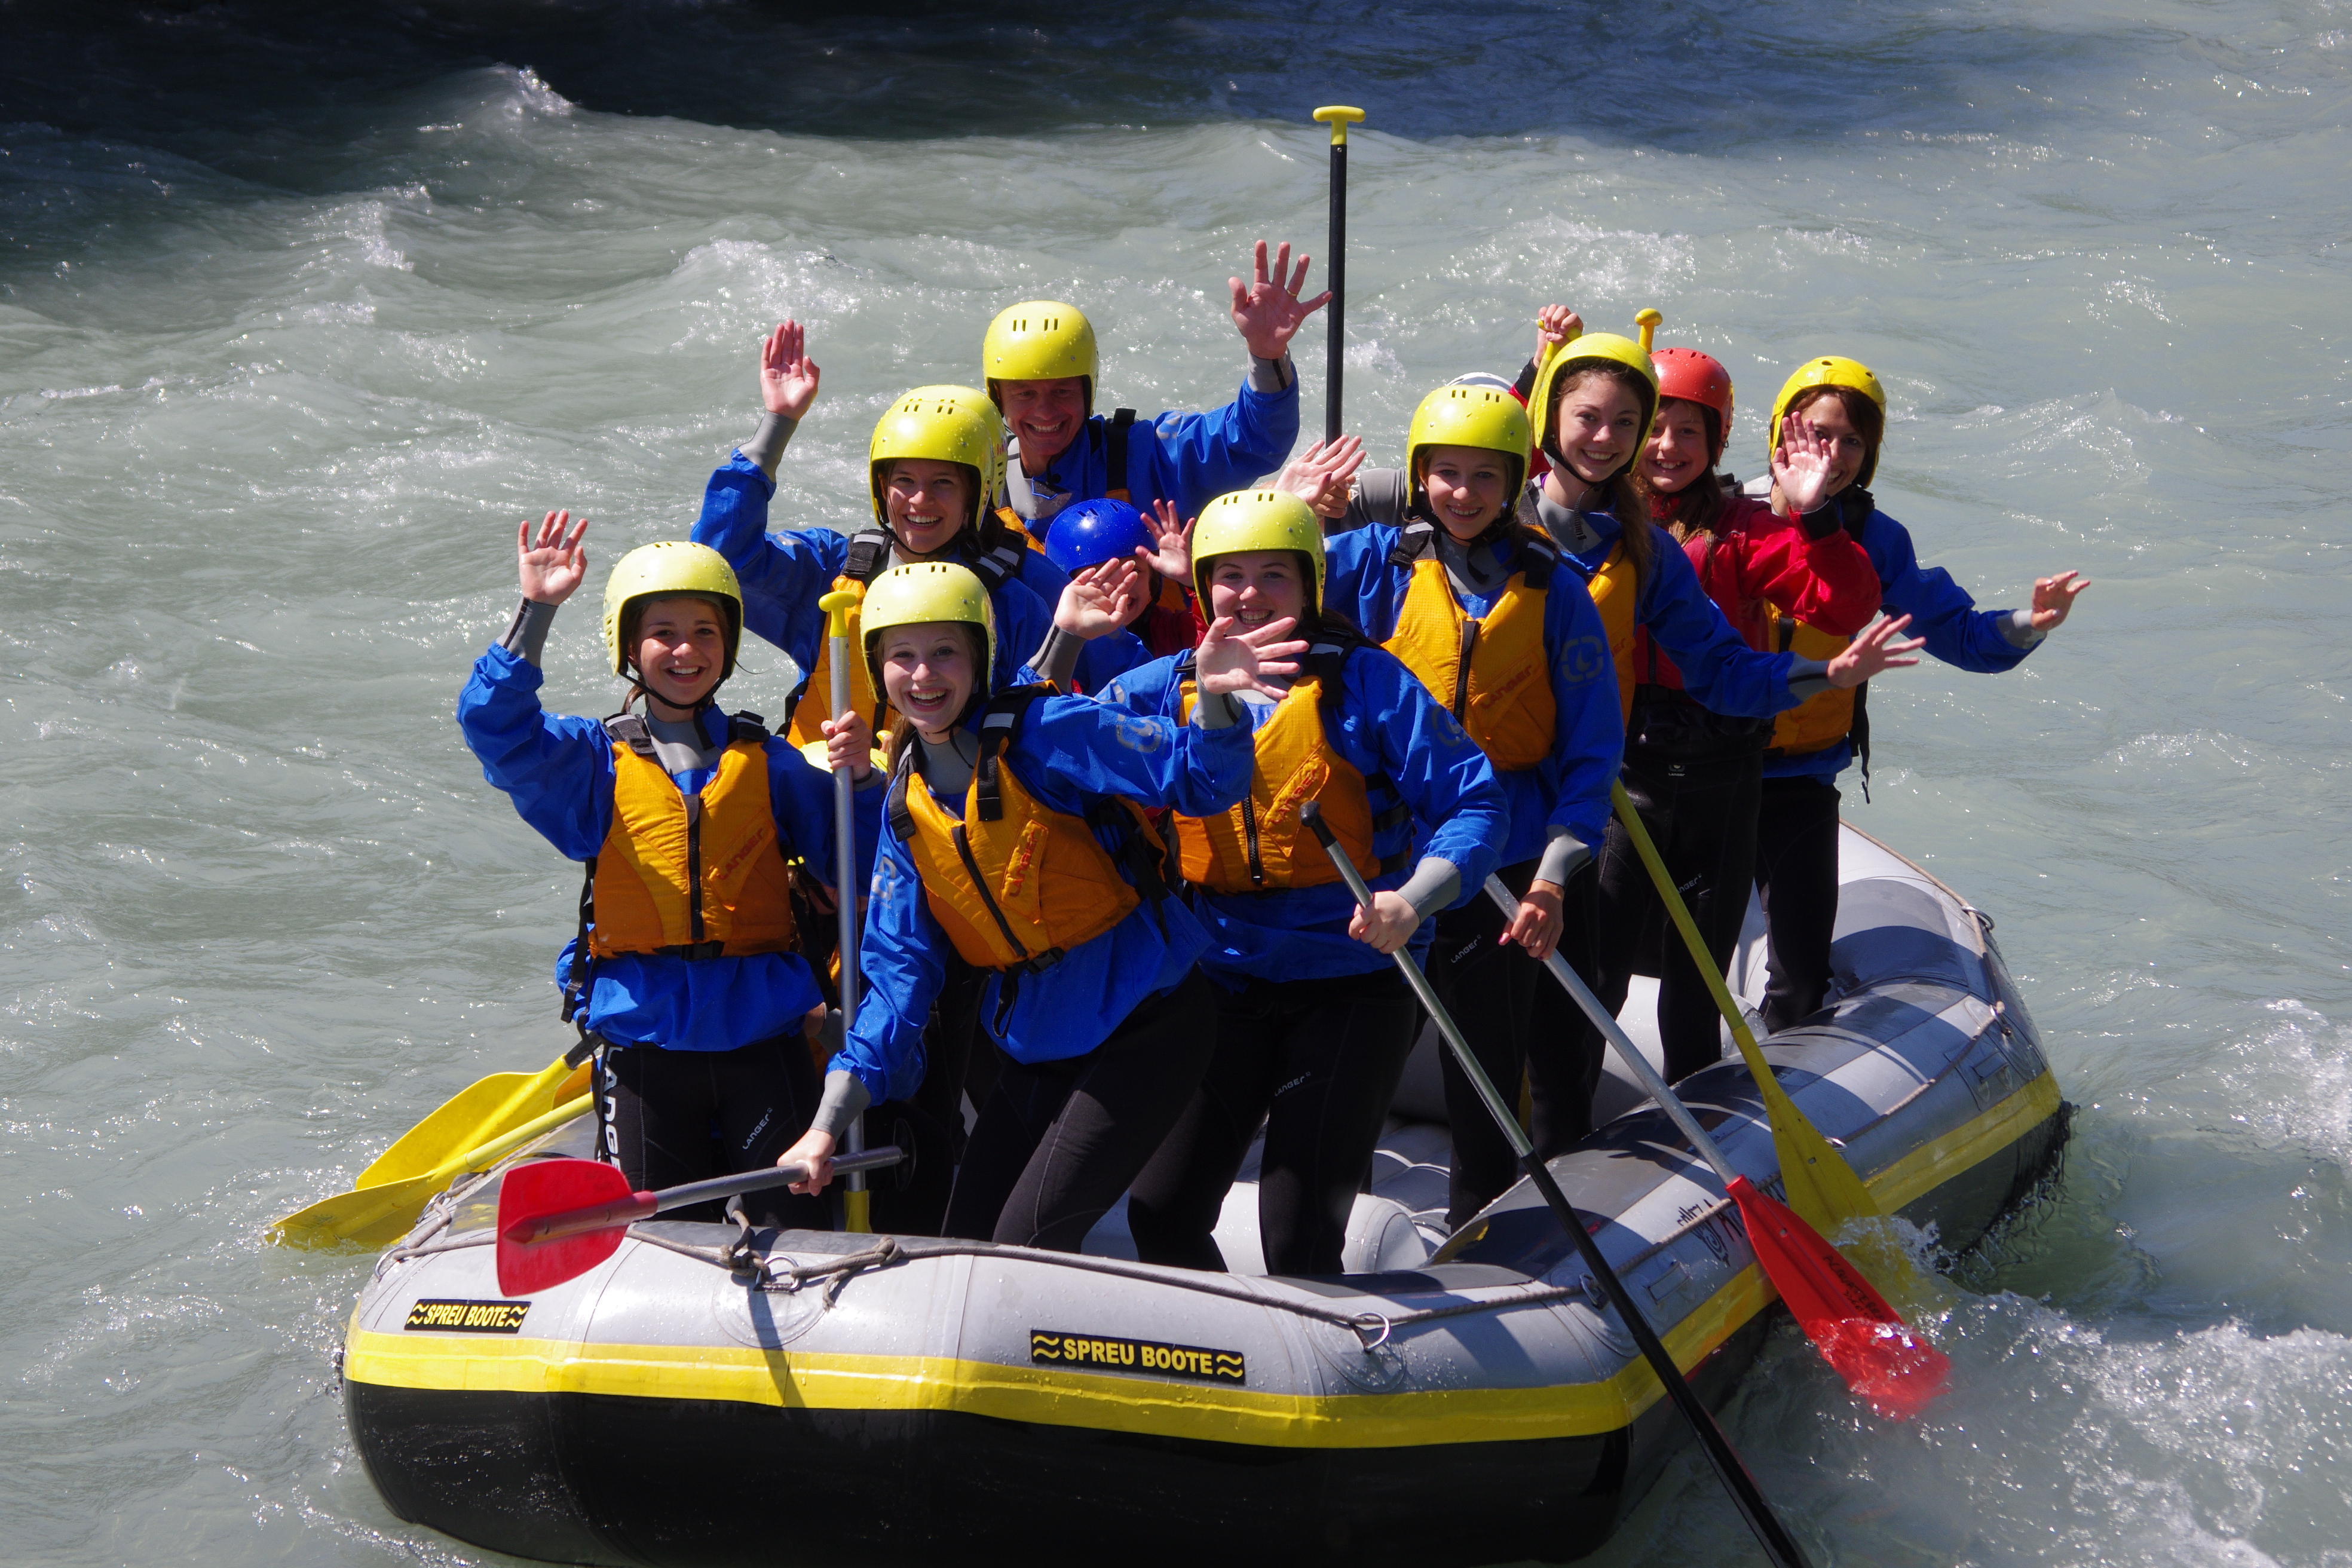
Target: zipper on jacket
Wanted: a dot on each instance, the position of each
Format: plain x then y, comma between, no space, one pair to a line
693,865
1462,670
971,867
1249,832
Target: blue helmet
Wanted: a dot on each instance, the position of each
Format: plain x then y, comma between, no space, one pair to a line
1093,532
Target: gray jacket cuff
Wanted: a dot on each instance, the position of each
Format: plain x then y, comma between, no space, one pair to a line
845,1101
2018,627
1216,711
1435,883
526,639
1272,375
1057,657
1563,858
1807,677
766,446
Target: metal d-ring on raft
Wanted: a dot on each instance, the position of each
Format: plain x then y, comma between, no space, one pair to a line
962,1401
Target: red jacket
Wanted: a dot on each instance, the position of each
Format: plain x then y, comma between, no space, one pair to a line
1754,558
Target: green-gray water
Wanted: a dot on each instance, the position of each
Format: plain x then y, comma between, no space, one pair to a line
297,318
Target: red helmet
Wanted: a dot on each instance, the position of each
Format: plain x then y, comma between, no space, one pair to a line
1699,378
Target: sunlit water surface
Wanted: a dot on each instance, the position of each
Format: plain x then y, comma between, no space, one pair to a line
298,318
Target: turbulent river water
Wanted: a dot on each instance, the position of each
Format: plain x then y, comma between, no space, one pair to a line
299,313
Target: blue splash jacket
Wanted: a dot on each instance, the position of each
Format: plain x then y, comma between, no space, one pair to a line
1067,751
1570,787
557,770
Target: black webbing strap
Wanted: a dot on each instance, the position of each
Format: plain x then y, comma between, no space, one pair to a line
1115,430
1414,540
999,722
869,554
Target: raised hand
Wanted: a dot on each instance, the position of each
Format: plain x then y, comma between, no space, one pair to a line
553,564
1557,326
1802,465
788,376
2054,597
1174,561
1872,651
1098,600
849,743
1233,662
1267,311
1322,474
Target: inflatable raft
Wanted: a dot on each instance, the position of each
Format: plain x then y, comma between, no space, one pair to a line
705,1398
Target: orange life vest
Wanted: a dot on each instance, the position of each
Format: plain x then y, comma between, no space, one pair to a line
691,875
1614,594
1825,718
1492,673
1015,883
1260,845
869,557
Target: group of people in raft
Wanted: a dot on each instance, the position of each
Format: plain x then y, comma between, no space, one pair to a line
1112,660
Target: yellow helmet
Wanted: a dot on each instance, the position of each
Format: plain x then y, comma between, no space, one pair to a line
1604,348
1255,519
919,594
1829,370
1040,339
1462,414
660,571
945,424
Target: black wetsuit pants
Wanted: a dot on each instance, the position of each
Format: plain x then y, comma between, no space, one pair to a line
1702,814
1796,875
1056,1142
1520,1024
1317,1062
672,1116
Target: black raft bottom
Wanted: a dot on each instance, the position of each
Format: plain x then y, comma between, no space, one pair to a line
608,1479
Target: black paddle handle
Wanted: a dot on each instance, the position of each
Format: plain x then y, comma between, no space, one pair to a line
1336,264
1777,1545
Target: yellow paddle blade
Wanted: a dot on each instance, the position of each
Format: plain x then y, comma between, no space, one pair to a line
471,1118
1821,1187
378,1213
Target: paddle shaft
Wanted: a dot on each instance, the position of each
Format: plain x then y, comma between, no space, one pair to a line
1778,1545
1336,264
645,1205
854,1202
1614,1034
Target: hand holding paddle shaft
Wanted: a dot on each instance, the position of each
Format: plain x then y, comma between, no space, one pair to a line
1855,1330
856,1203
1778,1545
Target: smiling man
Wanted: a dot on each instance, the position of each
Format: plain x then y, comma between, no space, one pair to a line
1043,371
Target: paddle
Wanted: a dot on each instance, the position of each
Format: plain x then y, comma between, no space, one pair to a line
856,1202
1820,1184
381,1214
1745,1496
1338,117
560,1218
1855,1330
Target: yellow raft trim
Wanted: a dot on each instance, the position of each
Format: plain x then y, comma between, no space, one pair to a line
1055,1397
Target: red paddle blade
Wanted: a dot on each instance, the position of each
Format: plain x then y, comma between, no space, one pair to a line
538,1189
1860,1336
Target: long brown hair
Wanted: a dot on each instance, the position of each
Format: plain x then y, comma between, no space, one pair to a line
1622,497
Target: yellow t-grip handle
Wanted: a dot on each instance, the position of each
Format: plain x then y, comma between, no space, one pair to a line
1338,117
836,606
1648,320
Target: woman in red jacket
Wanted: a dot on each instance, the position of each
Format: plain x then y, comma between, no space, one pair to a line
1696,775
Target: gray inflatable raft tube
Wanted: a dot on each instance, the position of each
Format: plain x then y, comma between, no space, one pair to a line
877,1401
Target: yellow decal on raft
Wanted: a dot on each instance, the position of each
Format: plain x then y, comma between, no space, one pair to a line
1049,1348
468,1317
